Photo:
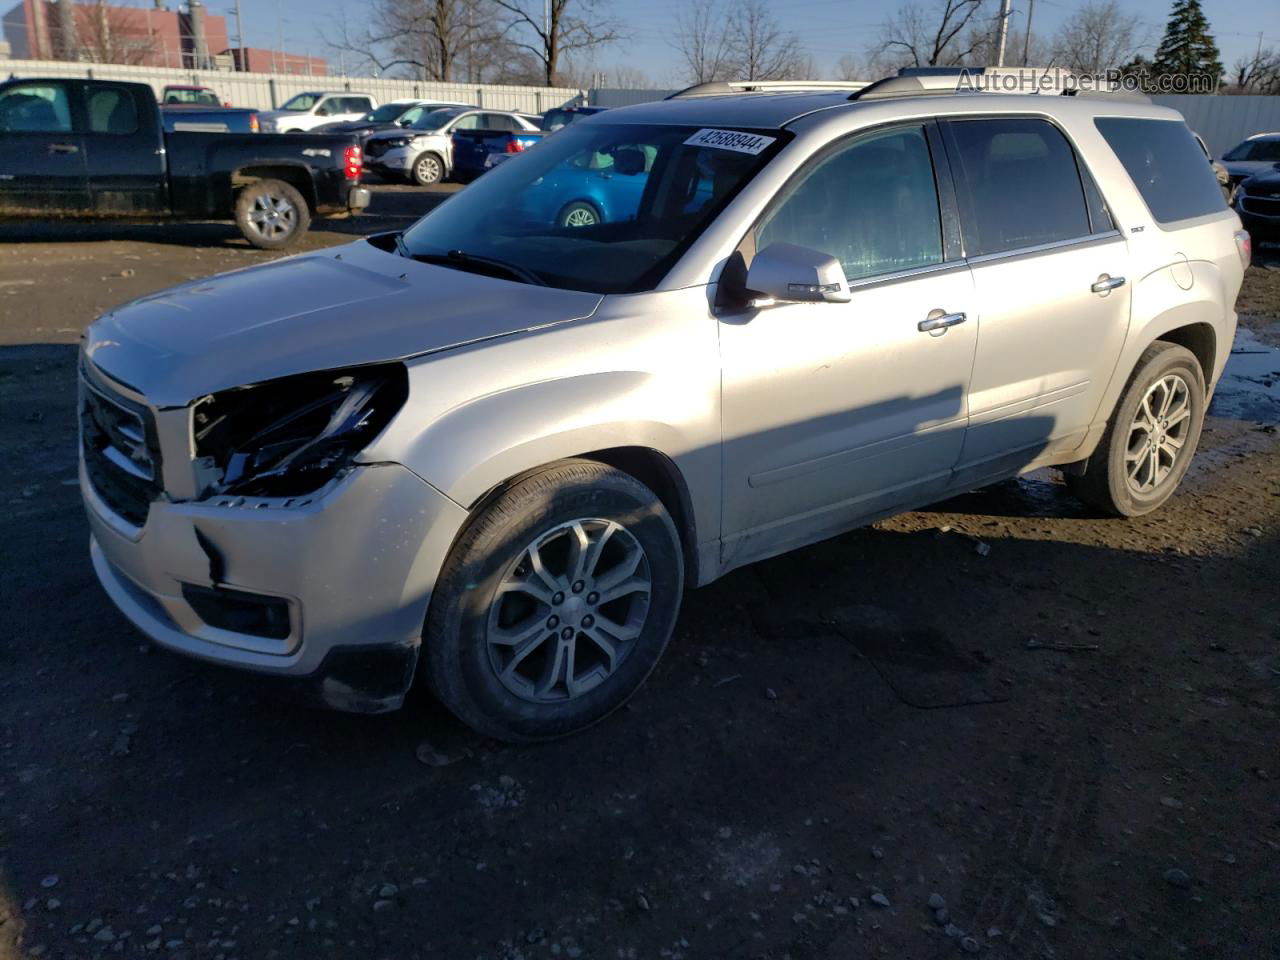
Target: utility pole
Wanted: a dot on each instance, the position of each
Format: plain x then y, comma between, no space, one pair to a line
239,29
546,33
1002,36
1026,37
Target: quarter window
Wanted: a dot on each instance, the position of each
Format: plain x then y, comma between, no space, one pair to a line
873,205
1166,165
35,108
1018,185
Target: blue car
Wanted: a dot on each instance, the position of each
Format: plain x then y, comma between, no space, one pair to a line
591,188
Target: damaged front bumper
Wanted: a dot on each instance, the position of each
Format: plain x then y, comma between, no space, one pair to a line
327,592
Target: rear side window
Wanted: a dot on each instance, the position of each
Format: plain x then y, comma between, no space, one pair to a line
1166,165
111,110
1018,185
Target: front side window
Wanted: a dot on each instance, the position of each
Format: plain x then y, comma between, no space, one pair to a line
35,108
302,102
873,205
111,110
1166,165
605,208
1018,185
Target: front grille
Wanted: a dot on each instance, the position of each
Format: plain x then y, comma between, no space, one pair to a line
376,148
1262,206
121,456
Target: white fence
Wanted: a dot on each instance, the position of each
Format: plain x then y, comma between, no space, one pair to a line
266,91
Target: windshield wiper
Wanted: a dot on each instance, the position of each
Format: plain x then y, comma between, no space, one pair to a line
462,260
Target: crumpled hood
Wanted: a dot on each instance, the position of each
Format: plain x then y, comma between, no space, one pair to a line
339,307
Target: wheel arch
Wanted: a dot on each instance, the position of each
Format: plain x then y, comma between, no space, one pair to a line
583,201
431,152
297,176
1201,339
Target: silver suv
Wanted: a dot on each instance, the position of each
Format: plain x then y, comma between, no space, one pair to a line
492,451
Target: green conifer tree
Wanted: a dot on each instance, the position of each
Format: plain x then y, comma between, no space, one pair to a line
1187,46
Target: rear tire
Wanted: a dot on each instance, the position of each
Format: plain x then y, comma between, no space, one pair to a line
579,214
1151,437
271,214
555,604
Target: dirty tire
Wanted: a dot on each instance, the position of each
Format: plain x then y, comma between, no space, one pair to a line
254,206
427,170
1104,484
462,659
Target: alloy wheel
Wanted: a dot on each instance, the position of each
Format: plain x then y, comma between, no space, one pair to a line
568,611
1158,433
272,216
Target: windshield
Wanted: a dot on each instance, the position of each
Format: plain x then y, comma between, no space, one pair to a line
303,101
606,208
428,119
386,113
1263,150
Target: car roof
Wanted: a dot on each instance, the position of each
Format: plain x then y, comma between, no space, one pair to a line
1263,136
776,110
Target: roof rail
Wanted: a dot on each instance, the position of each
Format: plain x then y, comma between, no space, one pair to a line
1032,81
721,88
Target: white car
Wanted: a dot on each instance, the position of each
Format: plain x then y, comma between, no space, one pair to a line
423,151
309,110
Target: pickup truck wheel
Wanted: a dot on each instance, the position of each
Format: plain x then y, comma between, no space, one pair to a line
428,169
555,603
1151,437
579,214
271,214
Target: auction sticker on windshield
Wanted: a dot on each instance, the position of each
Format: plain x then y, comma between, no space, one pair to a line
751,143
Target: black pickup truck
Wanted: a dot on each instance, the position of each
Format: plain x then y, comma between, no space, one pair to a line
98,149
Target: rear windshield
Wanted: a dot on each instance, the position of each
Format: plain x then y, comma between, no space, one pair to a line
1166,165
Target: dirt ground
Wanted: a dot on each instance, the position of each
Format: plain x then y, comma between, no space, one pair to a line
1002,726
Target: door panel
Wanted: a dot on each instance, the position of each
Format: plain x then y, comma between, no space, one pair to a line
1046,352
1039,237
123,152
835,412
42,164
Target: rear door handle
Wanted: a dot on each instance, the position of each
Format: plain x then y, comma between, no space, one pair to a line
1105,284
938,321
63,148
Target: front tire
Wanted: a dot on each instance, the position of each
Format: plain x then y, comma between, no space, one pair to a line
555,603
427,170
1151,437
271,214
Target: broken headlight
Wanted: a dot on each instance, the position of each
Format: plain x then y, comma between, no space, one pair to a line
292,436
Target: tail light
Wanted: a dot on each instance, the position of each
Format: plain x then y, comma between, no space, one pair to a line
254,126
1244,244
352,161
514,146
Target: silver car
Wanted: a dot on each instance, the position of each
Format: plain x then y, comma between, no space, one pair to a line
491,452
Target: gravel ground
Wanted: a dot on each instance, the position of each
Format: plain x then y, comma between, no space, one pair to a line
1002,726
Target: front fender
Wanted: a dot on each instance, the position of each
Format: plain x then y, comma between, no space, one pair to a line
476,446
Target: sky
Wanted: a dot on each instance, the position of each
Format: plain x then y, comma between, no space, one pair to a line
827,29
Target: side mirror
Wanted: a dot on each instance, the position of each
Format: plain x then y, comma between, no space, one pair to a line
322,111
786,273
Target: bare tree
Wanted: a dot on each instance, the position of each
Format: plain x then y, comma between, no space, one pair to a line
108,34
552,29
930,38
435,39
1258,74
739,42
760,49
702,38
1098,37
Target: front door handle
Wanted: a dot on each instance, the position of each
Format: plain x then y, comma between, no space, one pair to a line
1105,284
63,148
938,321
